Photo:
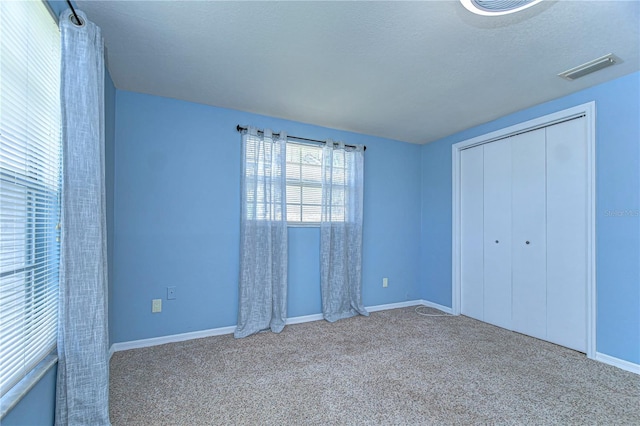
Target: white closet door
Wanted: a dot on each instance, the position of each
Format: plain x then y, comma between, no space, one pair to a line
567,234
471,232
529,298
497,233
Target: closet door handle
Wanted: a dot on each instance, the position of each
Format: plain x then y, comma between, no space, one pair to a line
526,242
497,241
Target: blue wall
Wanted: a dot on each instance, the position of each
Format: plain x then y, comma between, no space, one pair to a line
177,218
617,189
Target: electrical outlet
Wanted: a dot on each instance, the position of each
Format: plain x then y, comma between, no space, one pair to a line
171,293
385,282
156,305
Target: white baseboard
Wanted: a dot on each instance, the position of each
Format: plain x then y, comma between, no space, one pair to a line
154,341
445,309
304,318
393,305
617,362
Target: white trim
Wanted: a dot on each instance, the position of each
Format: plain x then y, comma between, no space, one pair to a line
304,318
14,395
445,309
617,362
397,305
455,229
173,338
293,224
589,111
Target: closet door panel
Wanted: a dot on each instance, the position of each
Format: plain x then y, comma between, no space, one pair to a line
566,234
471,232
528,207
497,233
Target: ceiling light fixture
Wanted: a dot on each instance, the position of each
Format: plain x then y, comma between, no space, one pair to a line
497,7
589,67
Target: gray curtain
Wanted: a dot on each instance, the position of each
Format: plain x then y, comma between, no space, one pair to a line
262,300
82,390
341,231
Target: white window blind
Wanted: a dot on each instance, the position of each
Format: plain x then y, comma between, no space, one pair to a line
29,186
304,183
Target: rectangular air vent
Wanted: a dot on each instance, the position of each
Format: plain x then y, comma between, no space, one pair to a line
589,67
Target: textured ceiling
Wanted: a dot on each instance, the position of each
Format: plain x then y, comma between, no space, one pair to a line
411,71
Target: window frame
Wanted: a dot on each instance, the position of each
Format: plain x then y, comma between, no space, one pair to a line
301,184
253,170
314,184
40,262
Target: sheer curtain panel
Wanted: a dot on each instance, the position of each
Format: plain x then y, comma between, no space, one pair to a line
341,231
263,234
82,390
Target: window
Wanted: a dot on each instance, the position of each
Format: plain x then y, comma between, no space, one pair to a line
30,153
304,174
304,183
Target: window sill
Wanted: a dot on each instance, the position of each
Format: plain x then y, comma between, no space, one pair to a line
22,388
303,224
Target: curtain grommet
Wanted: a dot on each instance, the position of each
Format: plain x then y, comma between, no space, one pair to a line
76,20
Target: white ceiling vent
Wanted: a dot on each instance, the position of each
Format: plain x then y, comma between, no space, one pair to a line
497,7
589,67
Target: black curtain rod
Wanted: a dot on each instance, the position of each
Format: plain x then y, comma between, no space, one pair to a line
241,129
78,21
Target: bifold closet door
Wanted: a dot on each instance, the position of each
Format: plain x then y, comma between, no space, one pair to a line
471,232
497,233
529,246
567,234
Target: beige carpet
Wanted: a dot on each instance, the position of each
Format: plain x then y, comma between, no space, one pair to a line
393,368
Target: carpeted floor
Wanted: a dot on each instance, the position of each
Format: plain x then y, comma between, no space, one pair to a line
393,368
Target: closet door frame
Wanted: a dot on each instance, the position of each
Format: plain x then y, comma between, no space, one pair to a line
588,110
